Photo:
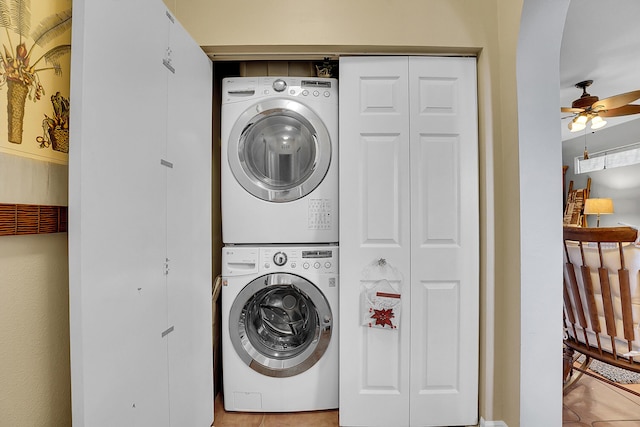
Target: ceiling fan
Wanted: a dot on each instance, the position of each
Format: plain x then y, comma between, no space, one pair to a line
591,108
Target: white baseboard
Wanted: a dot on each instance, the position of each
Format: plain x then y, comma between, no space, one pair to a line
484,423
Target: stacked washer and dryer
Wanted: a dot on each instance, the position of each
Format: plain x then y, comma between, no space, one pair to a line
280,233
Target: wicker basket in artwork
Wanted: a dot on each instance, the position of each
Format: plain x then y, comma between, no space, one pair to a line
59,139
16,98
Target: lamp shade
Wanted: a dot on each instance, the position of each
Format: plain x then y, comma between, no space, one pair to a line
597,122
575,125
598,206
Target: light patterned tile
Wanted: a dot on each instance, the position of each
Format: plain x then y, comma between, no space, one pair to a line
627,423
592,401
238,419
255,419
569,415
222,418
307,419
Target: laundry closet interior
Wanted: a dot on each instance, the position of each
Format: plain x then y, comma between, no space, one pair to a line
408,168
374,312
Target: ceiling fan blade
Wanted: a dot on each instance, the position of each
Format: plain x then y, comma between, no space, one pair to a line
571,110
621,111
615,101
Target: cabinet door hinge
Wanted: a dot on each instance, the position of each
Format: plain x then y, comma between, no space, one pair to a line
167,60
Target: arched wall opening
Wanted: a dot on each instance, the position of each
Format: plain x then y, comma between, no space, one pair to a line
540,174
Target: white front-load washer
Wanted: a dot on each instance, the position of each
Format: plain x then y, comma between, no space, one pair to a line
280,328
279,171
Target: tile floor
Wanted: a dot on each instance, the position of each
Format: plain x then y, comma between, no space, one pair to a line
258,419
591,403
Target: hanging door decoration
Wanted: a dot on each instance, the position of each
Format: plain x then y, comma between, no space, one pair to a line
380,304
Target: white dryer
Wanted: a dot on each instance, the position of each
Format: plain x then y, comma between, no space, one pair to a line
279,171
280,328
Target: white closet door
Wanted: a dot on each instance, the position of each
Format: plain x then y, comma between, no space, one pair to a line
118,219
409,196
444,241
374,225
189,231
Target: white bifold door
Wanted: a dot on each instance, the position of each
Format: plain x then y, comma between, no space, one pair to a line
139,219
409,241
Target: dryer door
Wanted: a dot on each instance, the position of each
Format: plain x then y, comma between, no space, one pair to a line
279,150
280,324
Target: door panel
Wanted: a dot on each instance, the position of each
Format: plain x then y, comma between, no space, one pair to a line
118,293
374,225
438,190
380,188
189,277
445,241
380,378
116,221
439,371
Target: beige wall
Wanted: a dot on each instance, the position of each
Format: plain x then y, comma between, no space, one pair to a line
35,386
420,23
490,29
507,219
33,290
34,372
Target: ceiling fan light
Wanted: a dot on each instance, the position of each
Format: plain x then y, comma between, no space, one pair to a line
597,122
581,119
575,126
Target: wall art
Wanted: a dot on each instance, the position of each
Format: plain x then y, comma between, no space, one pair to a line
34,78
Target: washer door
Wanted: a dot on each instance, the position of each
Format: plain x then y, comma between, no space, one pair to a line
280,324
279,150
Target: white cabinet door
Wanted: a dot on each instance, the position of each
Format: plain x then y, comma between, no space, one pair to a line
120,303
409,196
189,231
444,241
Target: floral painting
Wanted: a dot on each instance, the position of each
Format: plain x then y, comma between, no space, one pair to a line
35,38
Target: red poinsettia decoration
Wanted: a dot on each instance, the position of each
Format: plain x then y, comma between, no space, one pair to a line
383,317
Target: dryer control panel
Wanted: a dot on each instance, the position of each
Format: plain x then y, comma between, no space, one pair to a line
316,89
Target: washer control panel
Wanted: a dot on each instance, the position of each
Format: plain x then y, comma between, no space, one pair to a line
301,259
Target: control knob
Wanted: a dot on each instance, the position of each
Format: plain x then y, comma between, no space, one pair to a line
279,85
280,259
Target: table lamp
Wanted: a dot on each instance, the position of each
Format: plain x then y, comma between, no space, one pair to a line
598,207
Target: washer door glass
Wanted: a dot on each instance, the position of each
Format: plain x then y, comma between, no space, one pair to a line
279,150
280,324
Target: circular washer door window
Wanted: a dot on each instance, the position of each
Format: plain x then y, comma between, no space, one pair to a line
279,150
280,324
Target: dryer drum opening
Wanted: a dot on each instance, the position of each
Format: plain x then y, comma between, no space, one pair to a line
281,153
